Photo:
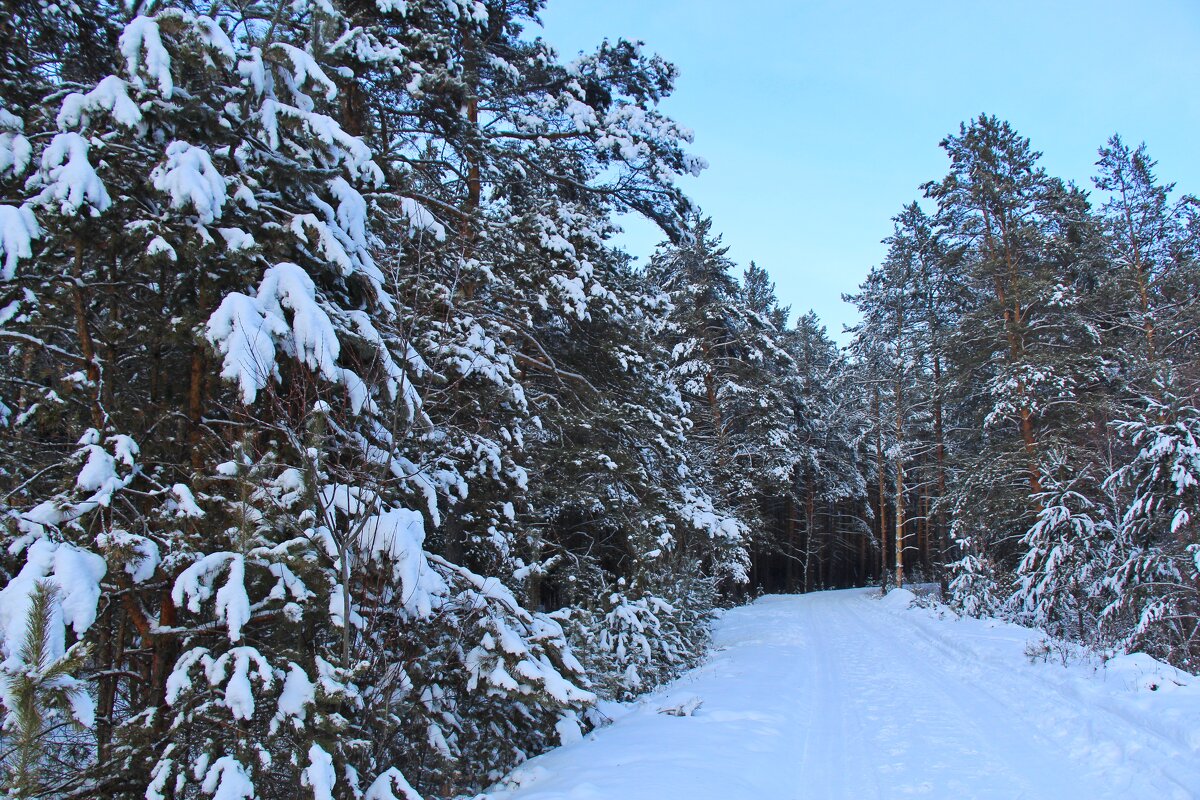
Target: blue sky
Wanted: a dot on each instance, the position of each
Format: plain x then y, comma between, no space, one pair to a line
820,119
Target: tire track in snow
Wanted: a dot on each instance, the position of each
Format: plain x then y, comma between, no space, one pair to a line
830,710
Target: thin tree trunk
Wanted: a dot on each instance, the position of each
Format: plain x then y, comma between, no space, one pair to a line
165,648
862,568
197,384
809,541
106,692
920,522
1013,316
471,204
1139,271
899,394
790,526
714,408
87,347
883,566
940,437
899,497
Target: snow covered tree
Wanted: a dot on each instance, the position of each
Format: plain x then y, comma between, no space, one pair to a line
889,301
998,202
273,552
1152,564
910,305
728,360
826,466
344,269
346,458
537,333
1060,582
1150,288
614,492
1028,364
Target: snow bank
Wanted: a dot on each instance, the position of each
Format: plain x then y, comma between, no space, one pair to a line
1140,672
898,598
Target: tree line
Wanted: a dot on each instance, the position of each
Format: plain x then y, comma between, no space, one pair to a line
1032,348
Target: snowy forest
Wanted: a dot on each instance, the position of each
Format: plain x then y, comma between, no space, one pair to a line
345,455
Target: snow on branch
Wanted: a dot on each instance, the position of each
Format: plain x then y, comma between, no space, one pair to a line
69,180
196,583
63,581
190,179
244,333
313,340
111,95
305,69
15,149
141,45
18,229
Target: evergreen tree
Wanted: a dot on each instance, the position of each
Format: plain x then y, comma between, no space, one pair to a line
1154,267
1152,575
727,361
1027,353
827,465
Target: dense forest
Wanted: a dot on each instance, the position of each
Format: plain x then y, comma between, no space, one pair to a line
346,456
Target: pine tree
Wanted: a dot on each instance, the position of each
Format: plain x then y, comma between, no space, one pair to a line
910,305
1027,350
1151,573
39,685
828,470
728,362
1154,265
1060,582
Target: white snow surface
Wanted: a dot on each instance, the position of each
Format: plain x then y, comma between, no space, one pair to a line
842,695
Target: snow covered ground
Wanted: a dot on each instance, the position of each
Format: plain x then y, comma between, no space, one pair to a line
846,695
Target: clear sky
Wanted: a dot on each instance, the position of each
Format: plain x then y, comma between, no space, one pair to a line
821,118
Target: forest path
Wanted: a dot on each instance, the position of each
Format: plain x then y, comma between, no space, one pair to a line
843,695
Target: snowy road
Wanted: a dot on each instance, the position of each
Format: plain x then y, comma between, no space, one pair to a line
843,695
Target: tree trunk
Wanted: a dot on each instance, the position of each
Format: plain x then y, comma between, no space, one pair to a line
899,506
466,227
899,466
940,449
1139,271
883,566
87,347
810,543
789,509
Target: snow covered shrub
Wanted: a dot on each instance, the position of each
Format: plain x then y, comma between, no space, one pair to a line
1154,562
632,641
477,687
1059,585
1051,648
973,586
629,643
